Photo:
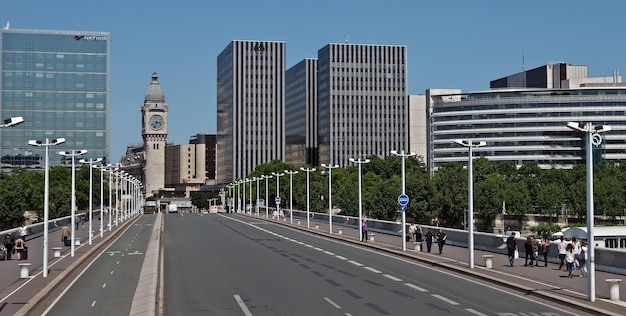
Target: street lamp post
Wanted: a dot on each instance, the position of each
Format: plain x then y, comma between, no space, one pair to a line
308,171
470,195
592,137
266,194
111,168
257,196
47,144
291,173
360,162
73,154
102,169
278,175
403,155
330,196
250,193
91,162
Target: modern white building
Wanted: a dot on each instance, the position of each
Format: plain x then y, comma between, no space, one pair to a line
522,123
250,107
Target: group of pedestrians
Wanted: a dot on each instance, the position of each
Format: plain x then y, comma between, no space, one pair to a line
439,237
17,246
572,256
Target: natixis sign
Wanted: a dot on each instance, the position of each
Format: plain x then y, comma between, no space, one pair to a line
90,38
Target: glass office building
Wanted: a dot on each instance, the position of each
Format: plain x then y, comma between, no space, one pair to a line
59,82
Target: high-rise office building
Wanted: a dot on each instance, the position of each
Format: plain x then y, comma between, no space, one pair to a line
59,82
250,107
362,101
301,113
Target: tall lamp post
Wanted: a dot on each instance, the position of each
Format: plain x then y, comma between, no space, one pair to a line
47,144
308,171
266,177
111,168
102,169
470,195
330,196
91,162
403,155
278,175
291,173
592,137
73,154
257,196
360,162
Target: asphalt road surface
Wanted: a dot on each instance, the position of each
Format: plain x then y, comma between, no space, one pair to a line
107,286
224,264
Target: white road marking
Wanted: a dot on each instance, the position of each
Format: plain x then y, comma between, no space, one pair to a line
318,249
111,272
329,253
340,257
242,305
355,263
475,312
332,303
104,285
392,277
445,299
93,303
372,269
415,287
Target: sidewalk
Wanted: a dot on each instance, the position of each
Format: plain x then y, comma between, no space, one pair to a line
18,294
546,282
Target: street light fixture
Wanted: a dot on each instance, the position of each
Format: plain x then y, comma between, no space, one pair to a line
102,169
47,144
266,194
73,154
308,171
470,194
16,120
330,196
403,155
592,137
278,175
91,162
111,168
360,162
291,173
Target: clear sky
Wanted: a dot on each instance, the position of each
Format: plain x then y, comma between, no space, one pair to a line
451,44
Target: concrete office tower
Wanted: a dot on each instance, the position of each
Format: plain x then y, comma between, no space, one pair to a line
418,126
301,114
250,107
59,82
362,101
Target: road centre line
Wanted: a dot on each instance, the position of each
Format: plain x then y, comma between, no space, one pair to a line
415,287
332,303
341,257
475,312
392,277
355,263
372,269
445,299
242,305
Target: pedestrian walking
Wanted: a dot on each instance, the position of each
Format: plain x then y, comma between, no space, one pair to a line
582,259
511,247
23,231
418,233
19,247
412,229
536,247
561,246
65,234
545,249
429,239
9,244
441,239
528,250
569,259
576,244
76,222
364,230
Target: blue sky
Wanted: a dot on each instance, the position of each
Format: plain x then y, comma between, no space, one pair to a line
450,44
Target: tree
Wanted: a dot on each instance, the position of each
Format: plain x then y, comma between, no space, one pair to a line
449,200
488,197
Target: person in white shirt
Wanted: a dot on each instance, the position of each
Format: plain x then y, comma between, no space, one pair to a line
23,232
582,259
576,244
561,246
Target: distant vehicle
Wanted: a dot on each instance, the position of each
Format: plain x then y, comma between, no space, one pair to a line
172,208
216,209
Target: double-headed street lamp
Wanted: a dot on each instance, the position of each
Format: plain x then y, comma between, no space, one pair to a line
403,155
266,177
330,196
102,169
256,205
308,171
278,175
91,162
360,224
12,121
47,144
470,195
592,138
111,168
291,173
73,154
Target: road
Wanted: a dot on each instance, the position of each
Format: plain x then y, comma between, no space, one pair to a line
233,265
107,286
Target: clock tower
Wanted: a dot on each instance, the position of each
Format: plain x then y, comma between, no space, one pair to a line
154,133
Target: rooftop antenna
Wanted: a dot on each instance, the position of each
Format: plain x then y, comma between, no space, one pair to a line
6,27
523,63
345,39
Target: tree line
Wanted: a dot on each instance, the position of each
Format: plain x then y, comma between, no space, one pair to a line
442,197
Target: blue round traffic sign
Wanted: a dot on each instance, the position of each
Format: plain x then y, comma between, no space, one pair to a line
403,199
277,199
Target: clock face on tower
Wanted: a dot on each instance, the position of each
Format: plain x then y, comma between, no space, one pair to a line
156,122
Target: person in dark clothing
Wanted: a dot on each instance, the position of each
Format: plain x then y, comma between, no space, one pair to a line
441,240
364,230
528,249
429,239
511,246
9,243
